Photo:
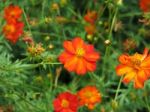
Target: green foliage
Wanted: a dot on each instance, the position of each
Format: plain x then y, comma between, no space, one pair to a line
30,83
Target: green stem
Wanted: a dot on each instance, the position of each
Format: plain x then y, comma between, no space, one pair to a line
56,81
55,63
146,101
112,24
118,88
28,25
110,38
43,7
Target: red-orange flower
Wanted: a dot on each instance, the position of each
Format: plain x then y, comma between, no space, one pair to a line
79,56
13,31
66,102
135,68
90,17
90,29
89,96
145,5
12,13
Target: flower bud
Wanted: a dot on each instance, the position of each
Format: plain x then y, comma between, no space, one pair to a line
114,104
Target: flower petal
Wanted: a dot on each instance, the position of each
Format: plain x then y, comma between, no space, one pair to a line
146,63
142,76
89,48
123,69
145,53
78,43
138,84
80,67
94,56
124,59
64,56
128,77
90,66
57,105
71,64
69,47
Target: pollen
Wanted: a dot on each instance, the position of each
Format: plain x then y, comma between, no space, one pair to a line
136,60
9,29
80,52
65,103
88,94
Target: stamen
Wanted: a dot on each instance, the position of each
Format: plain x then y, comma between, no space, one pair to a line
64,103
80,52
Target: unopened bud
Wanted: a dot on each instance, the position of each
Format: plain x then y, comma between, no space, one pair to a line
119,2
107,42
51,46
89,37
114,104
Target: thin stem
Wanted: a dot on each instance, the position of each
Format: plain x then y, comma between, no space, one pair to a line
118,88
112,24
146,101
43,7
56,80
110,38
55,63
28,25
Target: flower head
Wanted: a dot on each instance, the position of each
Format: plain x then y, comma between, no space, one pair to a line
89,96
35,49
13,31
90,17
79,56
66,102
12,13
90,29
135,68
145,5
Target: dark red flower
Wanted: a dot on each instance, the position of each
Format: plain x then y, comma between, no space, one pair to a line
145,5
12,13
13,31
66,102
90,17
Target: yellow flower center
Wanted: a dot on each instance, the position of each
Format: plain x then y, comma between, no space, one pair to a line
9,29
136,60
12,13
80,52
88,94
64,103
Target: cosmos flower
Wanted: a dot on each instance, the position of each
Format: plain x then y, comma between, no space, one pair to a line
145,5
78,56
135,68
12,13
13,31
91,17
89,96
90,29
66,102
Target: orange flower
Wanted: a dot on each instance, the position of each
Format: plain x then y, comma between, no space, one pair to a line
66,102
135,68
91,29
145,5
12,13
89,96
90,17
79,56
13,31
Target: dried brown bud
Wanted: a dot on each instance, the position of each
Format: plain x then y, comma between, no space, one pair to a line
35,50
55,6
129,44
